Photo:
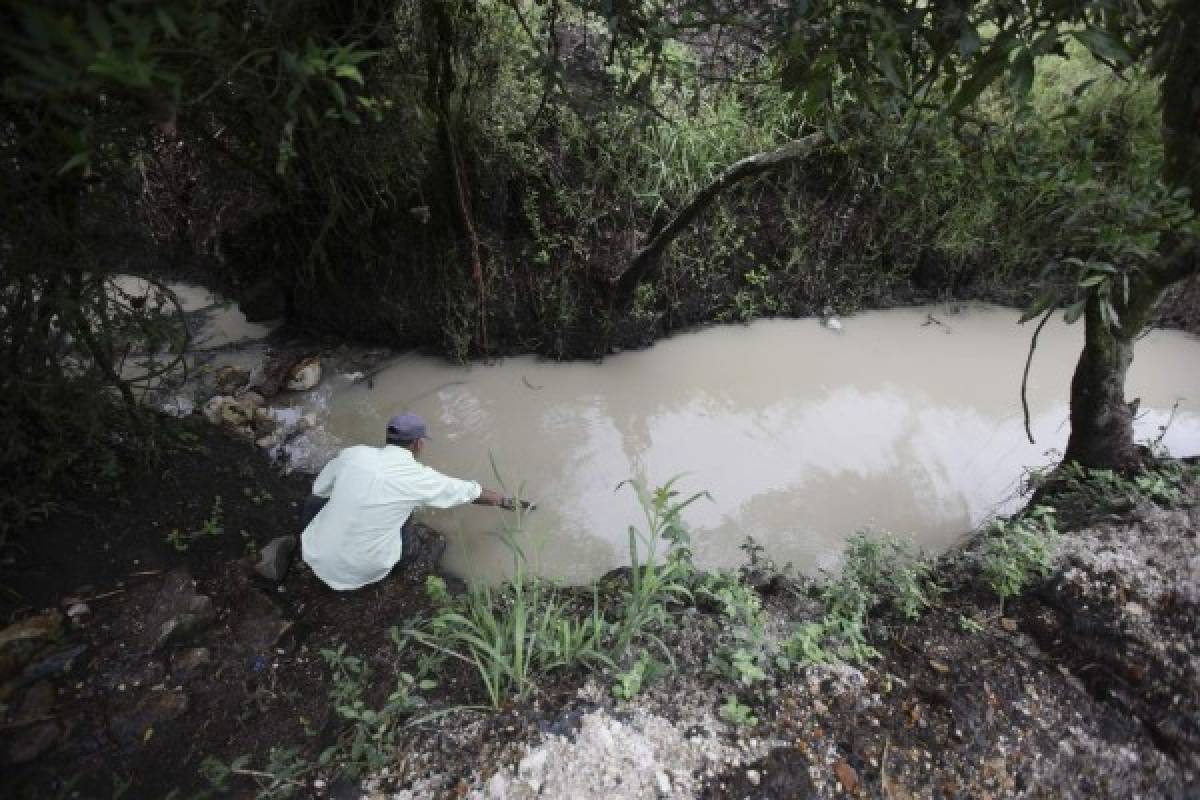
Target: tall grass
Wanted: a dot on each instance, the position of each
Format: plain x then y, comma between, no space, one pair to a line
529,628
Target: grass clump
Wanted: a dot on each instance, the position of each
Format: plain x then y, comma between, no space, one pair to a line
528,628
877,573
1017,551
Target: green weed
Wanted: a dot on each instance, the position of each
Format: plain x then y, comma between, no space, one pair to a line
733,711
1017,551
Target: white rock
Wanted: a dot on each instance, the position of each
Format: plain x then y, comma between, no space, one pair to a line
251,401
212,409
664,783
305,375
78,610
533,768
833,324
497,786
753,776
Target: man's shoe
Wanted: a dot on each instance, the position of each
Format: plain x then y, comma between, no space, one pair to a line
275,558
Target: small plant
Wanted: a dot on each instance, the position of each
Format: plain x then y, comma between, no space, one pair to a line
213,525
512,633
179,540
628,683
366,743
739,715
257,496
1018,550
1107,491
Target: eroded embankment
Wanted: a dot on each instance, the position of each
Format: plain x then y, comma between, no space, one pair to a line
1086,686
170,667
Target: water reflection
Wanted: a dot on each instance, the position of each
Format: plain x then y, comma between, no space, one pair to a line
800,435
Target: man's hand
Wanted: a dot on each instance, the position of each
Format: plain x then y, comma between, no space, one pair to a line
510,504
489,497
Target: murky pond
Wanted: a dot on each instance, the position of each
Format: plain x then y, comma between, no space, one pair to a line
905,420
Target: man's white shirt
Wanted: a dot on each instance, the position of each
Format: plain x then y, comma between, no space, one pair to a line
356,538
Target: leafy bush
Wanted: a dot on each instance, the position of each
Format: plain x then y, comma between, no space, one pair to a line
1018,550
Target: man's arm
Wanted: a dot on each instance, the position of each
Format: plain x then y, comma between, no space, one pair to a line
323,485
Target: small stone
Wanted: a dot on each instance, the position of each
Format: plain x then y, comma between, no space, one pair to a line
497,786
251,401
1008,624
304,375
191,661
198,616
753,776
230,378
235,415
938,666
37,702
33,742
319,784
153,708
267,442
212,410
264,423
20,642
275,558
55,665
846,776
306,423
664,783
532,768
78,611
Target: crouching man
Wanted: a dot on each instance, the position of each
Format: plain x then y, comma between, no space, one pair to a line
358,522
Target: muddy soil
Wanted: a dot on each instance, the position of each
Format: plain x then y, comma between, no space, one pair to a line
163,656
141,660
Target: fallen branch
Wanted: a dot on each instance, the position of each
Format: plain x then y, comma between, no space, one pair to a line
648,257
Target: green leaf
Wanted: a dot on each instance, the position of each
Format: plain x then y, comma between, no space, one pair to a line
349,71
1047,299
166,23
1092,280
968,40
1074,312
98,27
1104,46
1020,76
77,161
986,70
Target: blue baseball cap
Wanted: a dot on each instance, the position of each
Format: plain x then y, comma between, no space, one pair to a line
406,428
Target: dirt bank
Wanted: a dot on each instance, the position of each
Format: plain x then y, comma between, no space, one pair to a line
140,659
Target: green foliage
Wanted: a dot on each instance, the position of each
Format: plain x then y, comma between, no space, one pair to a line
214,523
653,586
1106,491
876,573
527,628
514,633
629,682
733,711
367,742
1017,551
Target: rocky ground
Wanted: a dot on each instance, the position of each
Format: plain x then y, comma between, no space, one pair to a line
1085,688
139,644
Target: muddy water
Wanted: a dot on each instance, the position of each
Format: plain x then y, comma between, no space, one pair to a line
905,420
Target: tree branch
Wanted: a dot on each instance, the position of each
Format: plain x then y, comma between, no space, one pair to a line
647,258
1028,364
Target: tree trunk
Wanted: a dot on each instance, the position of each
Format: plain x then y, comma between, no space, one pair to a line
1101,420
